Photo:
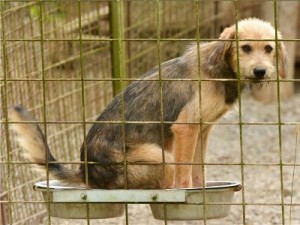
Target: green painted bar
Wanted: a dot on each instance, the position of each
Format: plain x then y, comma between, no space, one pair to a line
118,65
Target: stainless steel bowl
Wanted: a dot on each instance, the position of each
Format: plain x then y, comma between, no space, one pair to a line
217,197
76,210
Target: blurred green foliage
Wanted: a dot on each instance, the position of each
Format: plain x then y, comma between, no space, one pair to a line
51,11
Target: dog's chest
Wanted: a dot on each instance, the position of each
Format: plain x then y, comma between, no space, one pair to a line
213,107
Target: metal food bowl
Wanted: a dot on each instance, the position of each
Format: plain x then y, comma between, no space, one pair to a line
73,210
217,195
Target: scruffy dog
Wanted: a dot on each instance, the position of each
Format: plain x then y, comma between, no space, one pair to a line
163,141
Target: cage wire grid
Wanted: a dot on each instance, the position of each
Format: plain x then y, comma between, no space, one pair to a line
55,55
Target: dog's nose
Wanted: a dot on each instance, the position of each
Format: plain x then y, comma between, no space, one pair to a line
259,72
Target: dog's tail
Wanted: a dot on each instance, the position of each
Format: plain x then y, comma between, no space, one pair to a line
32,140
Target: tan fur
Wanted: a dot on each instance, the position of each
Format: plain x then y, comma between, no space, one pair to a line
185,140
156,170
144,156
251,30
28,137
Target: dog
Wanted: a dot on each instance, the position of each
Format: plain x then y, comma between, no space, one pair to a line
154,133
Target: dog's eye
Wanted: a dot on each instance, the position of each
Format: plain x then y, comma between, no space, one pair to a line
246,48
268,49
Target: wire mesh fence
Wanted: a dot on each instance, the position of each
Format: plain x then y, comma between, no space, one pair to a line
66,60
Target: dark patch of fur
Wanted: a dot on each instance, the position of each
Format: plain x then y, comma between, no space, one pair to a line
217,65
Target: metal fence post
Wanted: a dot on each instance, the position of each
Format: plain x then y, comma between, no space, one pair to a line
118,65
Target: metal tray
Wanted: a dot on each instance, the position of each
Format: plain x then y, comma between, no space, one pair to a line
169,204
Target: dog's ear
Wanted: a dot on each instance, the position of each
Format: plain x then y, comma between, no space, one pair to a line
218,52
220,49
282,60
228,33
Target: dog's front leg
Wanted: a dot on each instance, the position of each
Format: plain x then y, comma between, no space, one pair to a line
185,140
199,158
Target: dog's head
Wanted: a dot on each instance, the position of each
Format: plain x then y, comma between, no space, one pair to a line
257,51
